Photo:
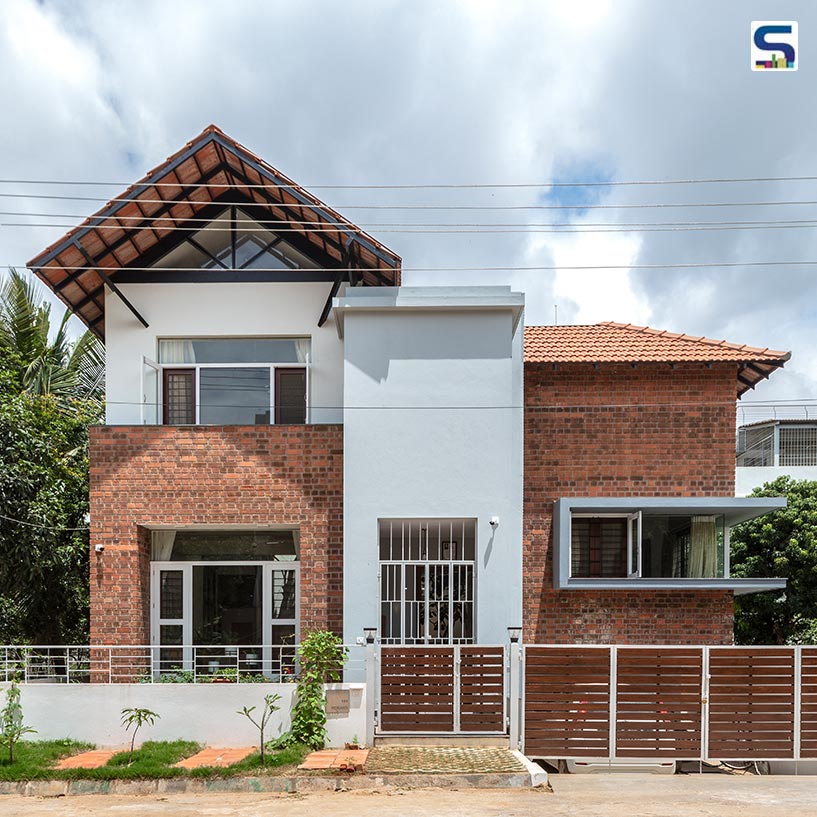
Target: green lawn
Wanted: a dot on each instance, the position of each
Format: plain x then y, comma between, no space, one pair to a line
34,760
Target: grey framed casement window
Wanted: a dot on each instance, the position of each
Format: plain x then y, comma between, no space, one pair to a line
652,542
427,578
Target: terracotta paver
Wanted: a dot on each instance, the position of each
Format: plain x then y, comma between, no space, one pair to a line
442,760
214,757
342,759
87,760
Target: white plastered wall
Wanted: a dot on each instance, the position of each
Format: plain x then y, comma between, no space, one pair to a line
212,310
433,428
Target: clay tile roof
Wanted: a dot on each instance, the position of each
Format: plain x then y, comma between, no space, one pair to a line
610,342
211,170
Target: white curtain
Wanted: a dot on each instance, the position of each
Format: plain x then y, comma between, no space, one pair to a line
176,351
162,545
302,349
703,548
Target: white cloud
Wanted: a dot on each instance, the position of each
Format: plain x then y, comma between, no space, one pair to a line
470,91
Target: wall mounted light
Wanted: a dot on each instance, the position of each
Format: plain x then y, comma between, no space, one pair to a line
514,634
370,633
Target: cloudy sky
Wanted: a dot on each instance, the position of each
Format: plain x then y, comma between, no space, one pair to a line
458,92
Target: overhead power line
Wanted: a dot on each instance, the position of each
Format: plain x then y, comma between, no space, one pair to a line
444,229
508,268
428,186
446,207
37,525
171,221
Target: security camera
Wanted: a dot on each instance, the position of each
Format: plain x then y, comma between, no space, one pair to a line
99,548
494,523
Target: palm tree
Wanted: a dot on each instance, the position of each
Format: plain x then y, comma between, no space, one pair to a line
53,366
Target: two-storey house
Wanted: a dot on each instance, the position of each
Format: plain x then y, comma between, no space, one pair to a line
294,440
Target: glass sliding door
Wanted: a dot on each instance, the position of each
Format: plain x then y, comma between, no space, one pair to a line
219,619
227,617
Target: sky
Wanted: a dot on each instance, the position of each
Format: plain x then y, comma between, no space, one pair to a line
445,92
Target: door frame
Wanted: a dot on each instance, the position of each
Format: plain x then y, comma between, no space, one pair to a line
267,568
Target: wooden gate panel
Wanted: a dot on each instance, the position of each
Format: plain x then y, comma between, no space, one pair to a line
482,689
567,701
808,703
751,703
659,705
417,689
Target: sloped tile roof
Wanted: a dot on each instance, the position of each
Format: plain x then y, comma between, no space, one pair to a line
610,342
211,169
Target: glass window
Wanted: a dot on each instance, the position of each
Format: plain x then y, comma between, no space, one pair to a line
171,599
598,548
243,243
234,350
683,546
234,396
225,546
688,547
227,604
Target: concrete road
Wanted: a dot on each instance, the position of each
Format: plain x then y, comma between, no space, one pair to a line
573,796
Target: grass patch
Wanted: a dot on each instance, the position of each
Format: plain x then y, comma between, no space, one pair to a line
33,759
279,761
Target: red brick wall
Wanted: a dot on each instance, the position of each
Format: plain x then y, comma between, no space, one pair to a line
269,475
622,431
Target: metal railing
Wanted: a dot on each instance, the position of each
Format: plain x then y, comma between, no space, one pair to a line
144,663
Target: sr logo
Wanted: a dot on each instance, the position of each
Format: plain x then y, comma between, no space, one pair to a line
774,46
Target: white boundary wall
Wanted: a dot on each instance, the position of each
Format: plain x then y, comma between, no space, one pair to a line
206,713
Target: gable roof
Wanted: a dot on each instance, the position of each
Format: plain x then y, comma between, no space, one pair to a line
212,169
610,342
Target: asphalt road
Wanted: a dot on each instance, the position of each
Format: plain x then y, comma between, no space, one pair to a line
580,795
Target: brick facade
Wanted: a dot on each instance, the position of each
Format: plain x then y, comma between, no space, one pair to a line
607,431
615,430
143,476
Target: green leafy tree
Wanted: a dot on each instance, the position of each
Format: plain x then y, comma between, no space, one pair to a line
135,718
782,544
45,361
50,392
270,708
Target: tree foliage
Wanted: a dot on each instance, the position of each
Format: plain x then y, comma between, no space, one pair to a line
782,544
50,392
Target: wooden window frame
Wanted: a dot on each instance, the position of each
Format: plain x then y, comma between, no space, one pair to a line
283,371
193,393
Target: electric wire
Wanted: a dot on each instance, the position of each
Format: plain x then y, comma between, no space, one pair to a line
504,268
436,207
430,186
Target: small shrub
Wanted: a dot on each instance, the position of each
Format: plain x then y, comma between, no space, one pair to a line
322,656
11,720
134,718
270,708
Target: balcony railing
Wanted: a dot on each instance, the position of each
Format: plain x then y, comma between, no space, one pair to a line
149,664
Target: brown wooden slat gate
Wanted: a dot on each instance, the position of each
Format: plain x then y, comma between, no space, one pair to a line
670,703
567,701
442,689
751,703
659,709
808,705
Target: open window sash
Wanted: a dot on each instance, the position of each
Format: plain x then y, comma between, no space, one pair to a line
150,385
634,545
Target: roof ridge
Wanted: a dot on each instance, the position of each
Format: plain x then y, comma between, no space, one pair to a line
724,344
